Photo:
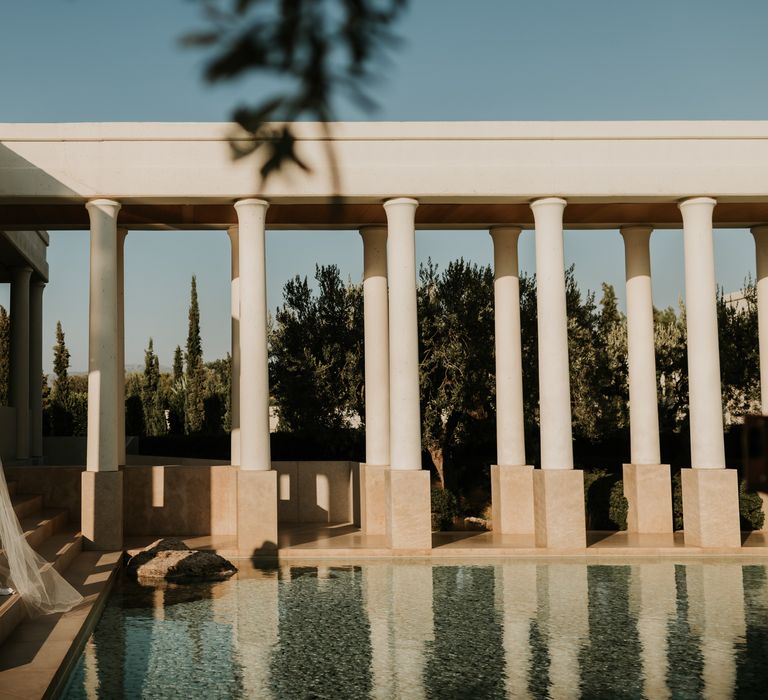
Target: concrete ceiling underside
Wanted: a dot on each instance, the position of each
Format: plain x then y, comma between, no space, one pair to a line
354,215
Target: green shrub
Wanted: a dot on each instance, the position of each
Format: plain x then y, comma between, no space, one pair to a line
444,509
618,505
677,502
604,501
750,509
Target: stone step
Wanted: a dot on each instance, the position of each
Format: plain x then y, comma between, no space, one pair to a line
25,504
41,533
38,656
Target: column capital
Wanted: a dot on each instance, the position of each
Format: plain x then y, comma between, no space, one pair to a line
103,204
37,282
401,201
548,202
22,270
251,202
759,230
499,233
636,230
371,233
697,201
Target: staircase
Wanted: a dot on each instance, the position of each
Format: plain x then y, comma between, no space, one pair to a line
48,533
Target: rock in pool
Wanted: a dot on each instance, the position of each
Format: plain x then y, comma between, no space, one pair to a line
170,559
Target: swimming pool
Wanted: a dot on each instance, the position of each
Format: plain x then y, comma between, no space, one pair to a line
410,629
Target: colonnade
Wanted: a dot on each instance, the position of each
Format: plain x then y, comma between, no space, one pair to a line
395,493
26,362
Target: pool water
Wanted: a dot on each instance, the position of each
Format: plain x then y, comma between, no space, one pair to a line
414,629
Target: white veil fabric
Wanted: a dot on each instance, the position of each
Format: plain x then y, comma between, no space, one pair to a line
42,589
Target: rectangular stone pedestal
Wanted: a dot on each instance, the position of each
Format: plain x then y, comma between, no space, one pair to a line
102,510
373,499
256,512
409,509
558,502
512,499
648,489
711,507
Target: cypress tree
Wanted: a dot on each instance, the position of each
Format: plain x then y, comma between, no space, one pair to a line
5,355
154,422
60,367
194,409
178,365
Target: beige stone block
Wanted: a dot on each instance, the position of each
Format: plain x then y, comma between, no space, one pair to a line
257,512
711,507
558,502
648,489
409,510
102,510
373,499
512,499
325,492
287,491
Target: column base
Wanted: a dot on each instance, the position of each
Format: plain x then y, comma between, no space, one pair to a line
558,502
711,507
373,499
257,512
101,510
409,509
512,499
648,489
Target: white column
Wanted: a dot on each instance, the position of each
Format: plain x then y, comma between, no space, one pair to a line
36,369
643,402
376,324
554,377
404,409
121,235
234,407
19,378
761,253
103,341
510,436
705,397
254,376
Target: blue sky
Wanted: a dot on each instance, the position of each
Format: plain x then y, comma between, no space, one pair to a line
119,60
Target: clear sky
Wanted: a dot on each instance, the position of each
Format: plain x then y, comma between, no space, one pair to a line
119,60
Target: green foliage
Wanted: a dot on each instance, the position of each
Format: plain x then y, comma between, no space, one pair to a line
456,357
316,355
750,508
151,399
194,396
677,502
444,509
315,49
178,364
5,356
604,500
65,408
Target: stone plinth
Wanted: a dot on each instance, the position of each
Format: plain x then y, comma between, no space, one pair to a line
409,509
711,507
558,502
257,512
648,489
102,510
512,499
373,499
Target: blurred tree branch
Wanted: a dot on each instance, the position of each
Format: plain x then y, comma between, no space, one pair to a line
317,48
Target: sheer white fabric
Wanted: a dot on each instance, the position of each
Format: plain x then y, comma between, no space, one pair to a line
40,586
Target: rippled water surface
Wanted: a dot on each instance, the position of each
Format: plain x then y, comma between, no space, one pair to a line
410,630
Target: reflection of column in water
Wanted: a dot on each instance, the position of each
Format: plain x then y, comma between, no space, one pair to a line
398,599
412,624
564,600
653,602
377,594
256,629
516,600
90,671
716,616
